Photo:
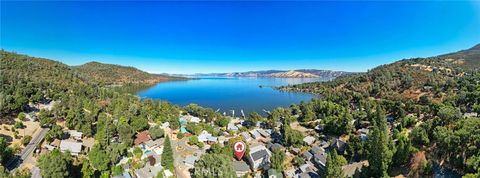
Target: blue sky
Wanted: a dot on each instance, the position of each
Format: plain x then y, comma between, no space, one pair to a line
192,37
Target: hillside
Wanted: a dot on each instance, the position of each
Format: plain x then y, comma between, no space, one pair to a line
27,79
407,79
110,74
301,73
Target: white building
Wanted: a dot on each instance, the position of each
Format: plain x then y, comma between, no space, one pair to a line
74,147
259,156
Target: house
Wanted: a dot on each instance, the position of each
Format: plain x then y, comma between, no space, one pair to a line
72,146
190,161
306,168
259,157
255,134
295,151
338,145
165,125
75,134
241,168
275,146
141,137
151,169
263,133
232,127
353,170
195,119
309,140
272,173
152,144
148,171
320,159
207,137
307,175
246,136
363,130
307,155
289,172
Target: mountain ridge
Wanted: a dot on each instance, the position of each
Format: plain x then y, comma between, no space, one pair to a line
298,73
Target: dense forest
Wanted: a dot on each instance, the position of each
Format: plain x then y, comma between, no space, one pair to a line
431,101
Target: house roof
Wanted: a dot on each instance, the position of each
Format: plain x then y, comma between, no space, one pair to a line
152,143
307,155
255,133
259,154
232,126
141,137
339,145
190,160
74,133
72,146
240,166
316,149
309,140
263,133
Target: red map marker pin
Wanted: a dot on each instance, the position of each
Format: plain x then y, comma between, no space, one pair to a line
239,149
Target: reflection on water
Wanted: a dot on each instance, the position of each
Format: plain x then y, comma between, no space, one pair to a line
225,94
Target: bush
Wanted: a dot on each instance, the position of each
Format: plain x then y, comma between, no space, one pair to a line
180,135
26,140
19,125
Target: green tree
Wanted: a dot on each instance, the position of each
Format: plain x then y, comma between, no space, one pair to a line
379,154
55,164
277,160
125,134
99,158
403,151
5,152
214,165
156,132
87,170
333,167
167,154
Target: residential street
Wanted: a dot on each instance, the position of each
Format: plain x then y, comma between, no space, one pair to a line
18,160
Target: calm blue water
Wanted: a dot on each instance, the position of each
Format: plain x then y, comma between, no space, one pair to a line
230,93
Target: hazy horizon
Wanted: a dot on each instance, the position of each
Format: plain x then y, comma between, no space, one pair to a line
219,37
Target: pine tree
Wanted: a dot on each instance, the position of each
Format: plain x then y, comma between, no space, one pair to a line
167,155
379,153
333,167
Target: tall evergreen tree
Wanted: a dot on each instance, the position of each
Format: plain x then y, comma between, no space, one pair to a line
379,153
167,155
333,167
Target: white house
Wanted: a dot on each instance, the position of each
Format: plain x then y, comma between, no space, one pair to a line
74,147
259,156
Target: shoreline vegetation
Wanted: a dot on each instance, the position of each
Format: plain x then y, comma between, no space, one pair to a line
389,117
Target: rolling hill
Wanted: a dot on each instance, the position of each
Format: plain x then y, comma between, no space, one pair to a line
110,74
406,79
301,73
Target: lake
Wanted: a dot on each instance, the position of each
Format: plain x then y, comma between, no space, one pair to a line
240,93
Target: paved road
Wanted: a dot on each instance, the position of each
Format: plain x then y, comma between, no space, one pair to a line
27,151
